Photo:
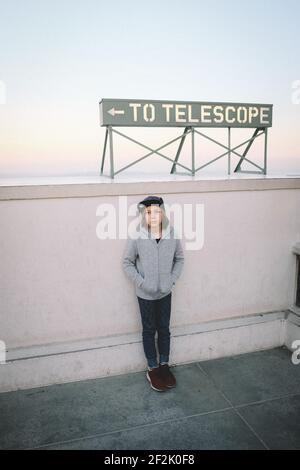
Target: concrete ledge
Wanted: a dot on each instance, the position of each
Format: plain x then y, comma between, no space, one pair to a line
99,357
97,187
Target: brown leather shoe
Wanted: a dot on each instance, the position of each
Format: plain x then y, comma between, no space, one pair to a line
155,380
166,375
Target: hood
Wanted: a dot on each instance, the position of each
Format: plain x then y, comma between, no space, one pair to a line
167,229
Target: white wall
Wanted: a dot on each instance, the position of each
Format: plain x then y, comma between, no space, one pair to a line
59,282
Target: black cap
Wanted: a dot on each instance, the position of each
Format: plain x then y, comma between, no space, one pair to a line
152,200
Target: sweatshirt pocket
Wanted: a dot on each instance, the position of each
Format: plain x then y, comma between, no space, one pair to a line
148,285
166,281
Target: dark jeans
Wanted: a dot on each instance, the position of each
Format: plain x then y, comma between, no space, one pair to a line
155,315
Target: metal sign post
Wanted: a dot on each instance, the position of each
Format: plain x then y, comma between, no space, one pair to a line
189,115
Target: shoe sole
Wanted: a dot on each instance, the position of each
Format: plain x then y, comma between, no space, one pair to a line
157,389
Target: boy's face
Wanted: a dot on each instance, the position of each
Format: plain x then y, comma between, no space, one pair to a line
153,216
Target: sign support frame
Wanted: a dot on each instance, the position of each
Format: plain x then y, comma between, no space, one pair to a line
189,130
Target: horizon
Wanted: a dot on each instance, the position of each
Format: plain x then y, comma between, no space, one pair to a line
59,59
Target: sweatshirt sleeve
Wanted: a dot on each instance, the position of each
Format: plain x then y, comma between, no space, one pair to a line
178,261
129,259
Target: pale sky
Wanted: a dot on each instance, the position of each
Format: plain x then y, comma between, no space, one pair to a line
59,58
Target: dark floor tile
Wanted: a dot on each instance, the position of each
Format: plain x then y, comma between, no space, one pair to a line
221,430
255,376
44,415
277,422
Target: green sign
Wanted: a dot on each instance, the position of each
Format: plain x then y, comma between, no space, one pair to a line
153,113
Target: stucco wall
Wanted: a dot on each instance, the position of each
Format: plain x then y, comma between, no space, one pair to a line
60,282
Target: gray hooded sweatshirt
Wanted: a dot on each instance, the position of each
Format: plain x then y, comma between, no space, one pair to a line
154,267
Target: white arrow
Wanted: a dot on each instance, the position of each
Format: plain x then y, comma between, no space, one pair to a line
114,111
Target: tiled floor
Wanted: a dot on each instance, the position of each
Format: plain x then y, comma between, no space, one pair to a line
250,401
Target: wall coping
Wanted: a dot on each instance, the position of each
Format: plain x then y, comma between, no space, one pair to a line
71,187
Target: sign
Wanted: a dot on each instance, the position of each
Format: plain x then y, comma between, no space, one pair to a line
154,113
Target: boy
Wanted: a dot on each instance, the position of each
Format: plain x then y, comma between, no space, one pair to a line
154,261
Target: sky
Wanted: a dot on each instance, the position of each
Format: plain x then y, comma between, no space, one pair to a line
59,58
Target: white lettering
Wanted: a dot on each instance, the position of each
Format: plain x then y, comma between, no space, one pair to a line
228,109
152,112
135,106
190,118
253,113
241,109
167,108
205,113
218,111
264,115
179,113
